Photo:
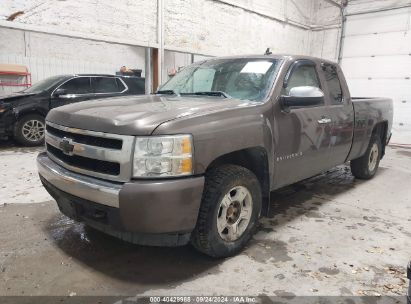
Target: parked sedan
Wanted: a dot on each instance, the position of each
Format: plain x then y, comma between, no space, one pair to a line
22,114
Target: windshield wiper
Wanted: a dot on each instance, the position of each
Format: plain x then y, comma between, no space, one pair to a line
166,92
210,93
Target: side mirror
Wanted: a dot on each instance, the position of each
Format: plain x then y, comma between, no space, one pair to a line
302,97
60,92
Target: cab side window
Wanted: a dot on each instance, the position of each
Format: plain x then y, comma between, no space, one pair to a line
302,76
80,85
333,84
105,85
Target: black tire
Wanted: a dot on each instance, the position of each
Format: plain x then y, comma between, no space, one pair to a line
20,134
361,167
219,181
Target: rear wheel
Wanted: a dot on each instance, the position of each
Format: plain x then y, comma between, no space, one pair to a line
30,130
366,166
229,211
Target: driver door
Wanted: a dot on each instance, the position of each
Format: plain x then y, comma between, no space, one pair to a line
302,145
74,90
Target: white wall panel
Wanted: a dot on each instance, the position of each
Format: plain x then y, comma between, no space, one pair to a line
394,43
382,22
380,67
212,27
398,89
377,59
326,14
106,18
356,6
200,58
325,44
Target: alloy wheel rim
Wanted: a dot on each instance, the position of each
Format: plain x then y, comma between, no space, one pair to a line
33,130
372,161
234,213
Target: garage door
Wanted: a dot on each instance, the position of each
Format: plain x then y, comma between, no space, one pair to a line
377,62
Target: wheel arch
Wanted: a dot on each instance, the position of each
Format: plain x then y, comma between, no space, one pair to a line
29,111
381,129
254,159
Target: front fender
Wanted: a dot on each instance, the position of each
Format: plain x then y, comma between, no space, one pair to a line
225,132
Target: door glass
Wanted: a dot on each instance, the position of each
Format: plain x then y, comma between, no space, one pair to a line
305,75
105,85
80,85
334,86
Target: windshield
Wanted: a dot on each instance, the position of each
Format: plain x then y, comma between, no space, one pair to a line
44,84
245,79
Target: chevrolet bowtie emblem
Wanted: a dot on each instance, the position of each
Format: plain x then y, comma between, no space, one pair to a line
66,146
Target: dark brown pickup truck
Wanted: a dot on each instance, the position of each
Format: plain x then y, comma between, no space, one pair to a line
199,160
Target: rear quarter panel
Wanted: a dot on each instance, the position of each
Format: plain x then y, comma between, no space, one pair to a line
368,113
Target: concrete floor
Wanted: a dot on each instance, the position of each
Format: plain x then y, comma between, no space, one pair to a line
330,235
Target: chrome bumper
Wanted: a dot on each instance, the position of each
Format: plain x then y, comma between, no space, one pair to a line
88,188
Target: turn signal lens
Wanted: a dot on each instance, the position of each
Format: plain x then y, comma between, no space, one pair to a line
187,165
186,146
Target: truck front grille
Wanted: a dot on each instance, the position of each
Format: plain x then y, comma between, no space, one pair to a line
98,154
86,163
87,139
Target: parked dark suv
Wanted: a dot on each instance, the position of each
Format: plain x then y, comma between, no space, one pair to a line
22,114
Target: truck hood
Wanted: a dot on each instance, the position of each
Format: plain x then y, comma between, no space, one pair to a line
136,115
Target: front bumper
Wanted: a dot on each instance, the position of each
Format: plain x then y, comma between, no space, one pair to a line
155,212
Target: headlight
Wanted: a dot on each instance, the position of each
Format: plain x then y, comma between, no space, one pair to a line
163,156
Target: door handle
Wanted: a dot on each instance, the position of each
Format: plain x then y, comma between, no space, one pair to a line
324,121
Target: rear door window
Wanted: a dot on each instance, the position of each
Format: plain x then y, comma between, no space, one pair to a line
79,85
105,85
333,84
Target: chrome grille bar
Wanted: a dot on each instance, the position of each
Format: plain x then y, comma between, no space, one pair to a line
71,148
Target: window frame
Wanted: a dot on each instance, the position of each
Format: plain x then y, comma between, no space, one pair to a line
324,66
293,67
301,63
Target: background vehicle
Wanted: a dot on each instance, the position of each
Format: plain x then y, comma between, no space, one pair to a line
22,114
198,161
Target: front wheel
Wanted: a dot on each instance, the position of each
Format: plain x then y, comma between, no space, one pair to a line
229,211
366,166
30,130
